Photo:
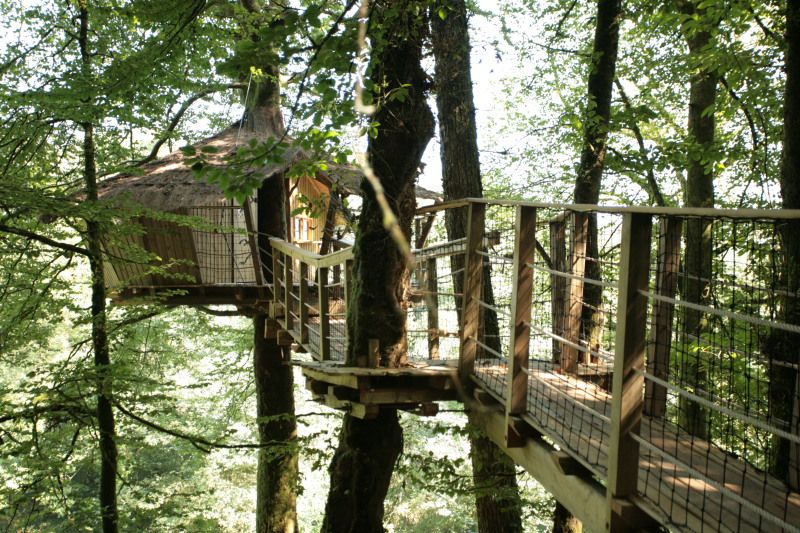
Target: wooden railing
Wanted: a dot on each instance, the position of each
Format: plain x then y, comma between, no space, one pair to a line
650,399
310,298
650,345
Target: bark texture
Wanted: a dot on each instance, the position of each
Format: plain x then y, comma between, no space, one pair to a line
699,192
590,174
593,155
564,521
102,358
784,381
497,498
368,449
277,478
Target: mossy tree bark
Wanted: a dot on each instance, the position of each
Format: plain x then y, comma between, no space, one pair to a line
277,479
362,466
497,498
784,396
699,192
102,358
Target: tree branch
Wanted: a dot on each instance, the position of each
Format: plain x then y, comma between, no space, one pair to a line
198,442
44,240
179,115
655,191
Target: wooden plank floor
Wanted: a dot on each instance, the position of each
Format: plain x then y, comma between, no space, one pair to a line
575,415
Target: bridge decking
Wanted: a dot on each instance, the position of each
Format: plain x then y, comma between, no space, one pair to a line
619,462
574,414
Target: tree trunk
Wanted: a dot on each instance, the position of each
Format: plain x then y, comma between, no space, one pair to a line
564,521
697,268
497,499
102,358
784,396
590,173
277,465
362,465
593,155
276,485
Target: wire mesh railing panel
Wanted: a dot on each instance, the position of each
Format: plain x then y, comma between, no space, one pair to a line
224,251
722,373
573,316
436,287
494,333
332,282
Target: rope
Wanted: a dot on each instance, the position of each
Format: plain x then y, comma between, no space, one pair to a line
244,115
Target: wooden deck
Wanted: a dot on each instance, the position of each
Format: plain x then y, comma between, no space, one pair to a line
363,391
575,414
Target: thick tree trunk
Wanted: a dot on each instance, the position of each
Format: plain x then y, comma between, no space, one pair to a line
784,395
699,192
362,465
276,485
590,170
497,499
590,174
102,357
277,465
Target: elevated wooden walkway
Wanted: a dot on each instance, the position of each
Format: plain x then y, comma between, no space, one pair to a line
601,423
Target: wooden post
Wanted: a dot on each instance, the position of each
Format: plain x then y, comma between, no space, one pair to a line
580,236
251,240
324,316
303,303
276,276
473,289
669,256
432,299
521,298
348,285
558,284
288,271
627,400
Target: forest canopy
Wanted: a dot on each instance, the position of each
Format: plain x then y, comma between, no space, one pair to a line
155,408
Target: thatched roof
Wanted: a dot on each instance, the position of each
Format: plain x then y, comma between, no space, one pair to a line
168,184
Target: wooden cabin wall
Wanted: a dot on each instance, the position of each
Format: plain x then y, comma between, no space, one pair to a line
307,231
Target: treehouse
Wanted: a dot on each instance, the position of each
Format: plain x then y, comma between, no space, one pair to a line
216,257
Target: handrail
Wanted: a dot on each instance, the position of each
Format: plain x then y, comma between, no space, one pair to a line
316,260
782,214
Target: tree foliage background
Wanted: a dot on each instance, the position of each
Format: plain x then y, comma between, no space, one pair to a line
161,76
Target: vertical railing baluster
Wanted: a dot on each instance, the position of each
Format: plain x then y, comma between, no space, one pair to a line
276,283
303,302
473,287
627,398
432,299
348,285
521,299
288,267
324,316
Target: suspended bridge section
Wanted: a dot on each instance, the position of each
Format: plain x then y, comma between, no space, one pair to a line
639,362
